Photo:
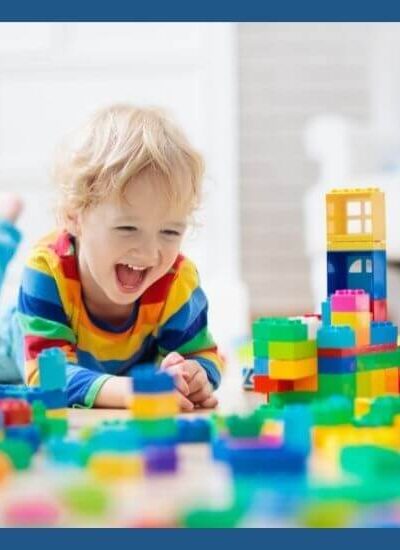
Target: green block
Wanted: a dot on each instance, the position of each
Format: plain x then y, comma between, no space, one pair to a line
368,461
381,413
290,351
337,410
86,499
377,361
279,329
260,348
281,399
19,452
269,412
165,427
208,518
244,426
337,384
55,427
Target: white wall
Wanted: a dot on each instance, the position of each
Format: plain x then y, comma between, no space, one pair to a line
53,75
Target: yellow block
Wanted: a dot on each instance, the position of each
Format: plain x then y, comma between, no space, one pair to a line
6,466
110,467
392,381
355,215
363,384
57,413
348,246
359,321
292,370
273,428
148,406
378,383
306,384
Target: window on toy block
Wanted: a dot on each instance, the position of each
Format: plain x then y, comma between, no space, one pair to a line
359,217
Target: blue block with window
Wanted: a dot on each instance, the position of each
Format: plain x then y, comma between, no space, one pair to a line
364,269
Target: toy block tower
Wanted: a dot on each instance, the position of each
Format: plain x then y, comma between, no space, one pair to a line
356,245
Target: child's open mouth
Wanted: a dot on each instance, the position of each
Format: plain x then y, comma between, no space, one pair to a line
130,277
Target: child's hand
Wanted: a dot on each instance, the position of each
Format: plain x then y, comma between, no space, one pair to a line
200,391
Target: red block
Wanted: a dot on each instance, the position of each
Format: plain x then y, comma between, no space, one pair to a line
264,384
351,352
15,412
379,310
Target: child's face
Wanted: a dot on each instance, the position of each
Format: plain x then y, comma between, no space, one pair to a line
126,244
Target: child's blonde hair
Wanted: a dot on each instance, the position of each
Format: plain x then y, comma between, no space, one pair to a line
118,144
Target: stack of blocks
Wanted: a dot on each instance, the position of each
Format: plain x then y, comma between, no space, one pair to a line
355,353
154,408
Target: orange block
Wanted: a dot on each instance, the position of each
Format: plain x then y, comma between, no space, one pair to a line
293,370
306,384
392,381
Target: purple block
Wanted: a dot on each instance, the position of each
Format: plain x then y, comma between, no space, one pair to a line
161,460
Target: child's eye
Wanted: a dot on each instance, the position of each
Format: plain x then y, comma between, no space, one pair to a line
129,228
171,232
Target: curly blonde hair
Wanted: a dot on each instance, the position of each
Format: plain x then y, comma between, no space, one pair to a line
118,144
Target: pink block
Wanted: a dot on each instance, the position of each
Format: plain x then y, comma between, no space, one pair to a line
348,301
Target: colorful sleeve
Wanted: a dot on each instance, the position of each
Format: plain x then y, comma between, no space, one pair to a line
44,324
183,325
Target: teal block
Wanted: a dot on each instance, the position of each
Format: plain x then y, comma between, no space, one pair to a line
336,337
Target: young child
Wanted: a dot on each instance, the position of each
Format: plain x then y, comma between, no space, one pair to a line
111,288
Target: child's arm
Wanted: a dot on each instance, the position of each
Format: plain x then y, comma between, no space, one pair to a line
183,326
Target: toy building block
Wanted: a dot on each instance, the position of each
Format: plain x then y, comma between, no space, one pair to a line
355,320
15,412
306,384
247,378
162,429
326,313
375,361
292,370
261,366
265,384
378,382
379,310
361,350
297,422
110,466
337,365
337,384
363,384
196,430
19,453
383,333
52,369
290,351
313,322
333,411
392,381
28,433
279,329
336,337
153,405
161,460
350,300
6,467
355,216
152,381
260,348
32,513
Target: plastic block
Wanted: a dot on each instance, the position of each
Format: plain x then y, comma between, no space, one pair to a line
6,467
279,329
247,378
28,433
15,412
212,518
152,381
32,513
368,461
326,313
111,467
364,384
161,460
297,428
343,205
336,365
56,427
264,384
57,413
282,399
392,381
379,310
292,370
86,499
54,399
19,452
67,452
337,384
52,369
378,382
163,428
266,461
313,322
260,348
376,361
336,337
196,430
383,333
117,439
355,320
336,410
306,384
361,350
261,366
244,426
350,300
292,350
153,406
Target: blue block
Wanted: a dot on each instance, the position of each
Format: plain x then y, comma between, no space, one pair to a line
297,421
12,391
260,365
358,269
52,369
119,440
336,337
383,333
152,381
65,451
197,430
266,461
326,313
29,433
337,365
54,399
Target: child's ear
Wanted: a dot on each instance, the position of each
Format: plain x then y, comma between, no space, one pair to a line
72,223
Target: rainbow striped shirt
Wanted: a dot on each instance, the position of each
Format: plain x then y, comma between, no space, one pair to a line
171,315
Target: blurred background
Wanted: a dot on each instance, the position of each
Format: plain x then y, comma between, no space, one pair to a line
282,113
